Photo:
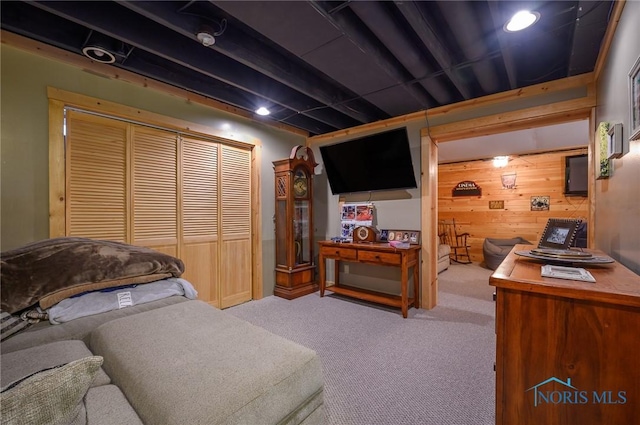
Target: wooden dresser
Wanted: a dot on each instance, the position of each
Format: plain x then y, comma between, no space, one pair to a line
567,352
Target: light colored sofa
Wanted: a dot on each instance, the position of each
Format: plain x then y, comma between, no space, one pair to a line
172,361
444,260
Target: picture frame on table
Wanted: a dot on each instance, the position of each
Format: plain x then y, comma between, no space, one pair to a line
634,101
410,236
559,233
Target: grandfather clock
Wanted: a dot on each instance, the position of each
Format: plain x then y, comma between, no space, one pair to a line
295,268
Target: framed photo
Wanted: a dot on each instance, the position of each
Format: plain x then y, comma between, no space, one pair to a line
410,236
634,101
559,233
384,235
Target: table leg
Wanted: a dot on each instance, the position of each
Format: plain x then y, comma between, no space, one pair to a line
404,289
336,272
322,273
416,286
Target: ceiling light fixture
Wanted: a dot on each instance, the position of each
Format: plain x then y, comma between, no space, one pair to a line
262,111
500,161
205,38
521,20
98,54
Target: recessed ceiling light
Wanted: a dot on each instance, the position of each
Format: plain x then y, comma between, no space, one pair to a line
262,111
99,54
521,20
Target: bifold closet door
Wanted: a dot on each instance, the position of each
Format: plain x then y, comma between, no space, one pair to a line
235,259
200,217
183,196
154,189
96,178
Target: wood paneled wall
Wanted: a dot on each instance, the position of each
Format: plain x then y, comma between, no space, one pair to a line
536,175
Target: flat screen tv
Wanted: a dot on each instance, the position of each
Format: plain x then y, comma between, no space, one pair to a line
380,161
576,175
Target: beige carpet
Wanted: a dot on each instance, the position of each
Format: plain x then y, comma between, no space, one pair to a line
435,367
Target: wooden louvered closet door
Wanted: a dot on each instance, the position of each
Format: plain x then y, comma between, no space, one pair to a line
154,186
186,197
200,217
96,184
235,261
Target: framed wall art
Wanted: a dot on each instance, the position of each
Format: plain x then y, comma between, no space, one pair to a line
634,101
540,203
508,180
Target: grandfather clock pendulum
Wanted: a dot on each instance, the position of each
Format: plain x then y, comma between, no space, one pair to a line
295,268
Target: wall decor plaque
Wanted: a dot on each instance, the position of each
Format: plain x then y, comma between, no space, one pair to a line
603,171
496,205
467,188
508,180
540,203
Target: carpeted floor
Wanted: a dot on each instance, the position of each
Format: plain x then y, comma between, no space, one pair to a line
433,368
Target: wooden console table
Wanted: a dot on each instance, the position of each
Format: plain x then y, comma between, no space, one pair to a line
380,254
567,351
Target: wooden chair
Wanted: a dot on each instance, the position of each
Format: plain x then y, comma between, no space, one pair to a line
448,234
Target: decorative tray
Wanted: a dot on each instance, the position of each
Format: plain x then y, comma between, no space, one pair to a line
565,256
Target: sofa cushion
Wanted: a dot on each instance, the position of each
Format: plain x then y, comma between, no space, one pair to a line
52,396
106,405
23,363
190,363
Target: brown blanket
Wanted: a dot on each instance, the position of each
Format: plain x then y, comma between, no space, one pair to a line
51,270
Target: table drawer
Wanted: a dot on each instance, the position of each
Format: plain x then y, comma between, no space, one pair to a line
339,253
380,257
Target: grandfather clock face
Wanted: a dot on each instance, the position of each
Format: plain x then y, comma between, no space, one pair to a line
300,184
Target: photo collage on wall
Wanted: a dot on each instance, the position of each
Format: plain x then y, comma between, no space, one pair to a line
353,215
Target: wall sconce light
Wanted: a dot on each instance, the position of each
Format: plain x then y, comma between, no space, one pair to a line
500,161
